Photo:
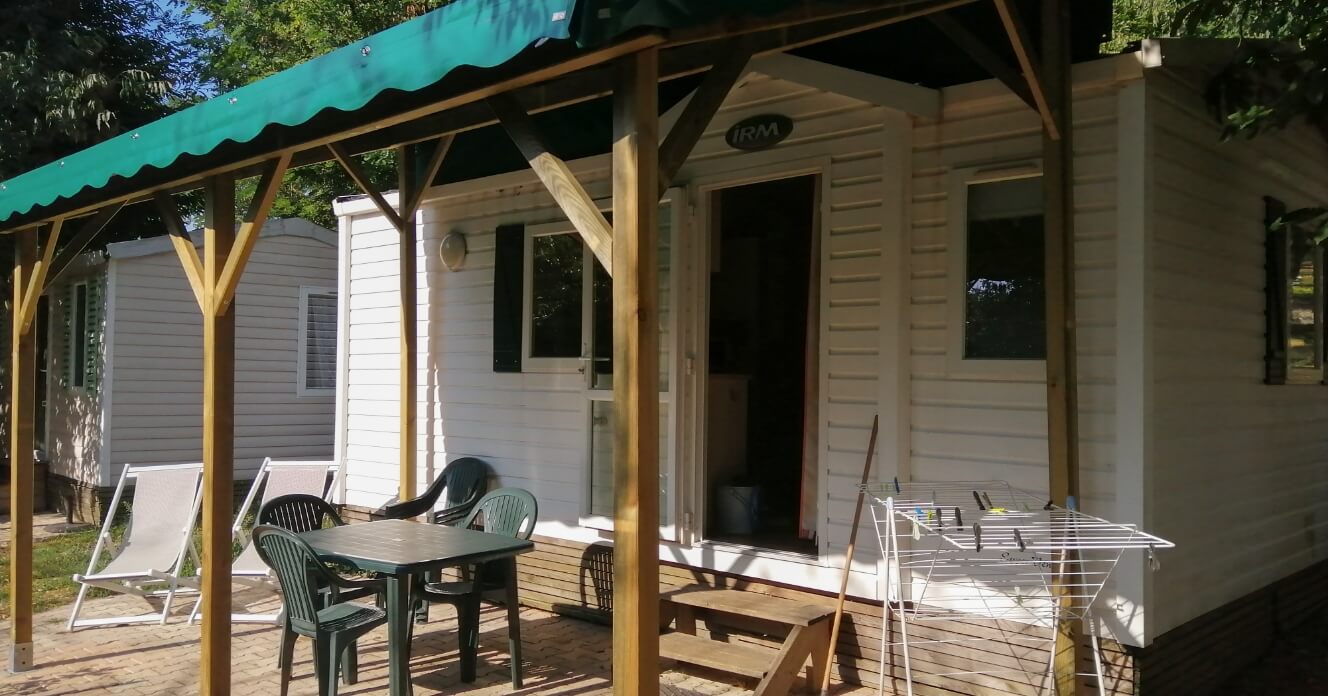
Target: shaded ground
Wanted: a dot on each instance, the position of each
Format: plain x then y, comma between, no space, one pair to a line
562,656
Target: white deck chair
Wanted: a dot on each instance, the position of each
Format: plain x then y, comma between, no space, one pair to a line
150,559
275,478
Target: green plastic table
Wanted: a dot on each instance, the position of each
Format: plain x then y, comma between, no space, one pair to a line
403,551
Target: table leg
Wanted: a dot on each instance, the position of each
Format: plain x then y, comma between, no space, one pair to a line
513,624
399,615
468,614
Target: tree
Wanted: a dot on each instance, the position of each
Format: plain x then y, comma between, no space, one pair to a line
75,72
249,40
1279,73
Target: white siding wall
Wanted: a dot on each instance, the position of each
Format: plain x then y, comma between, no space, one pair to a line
74,425
531,426
967,423
1237,480
158,359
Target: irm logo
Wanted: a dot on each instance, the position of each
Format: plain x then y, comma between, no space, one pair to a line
759,132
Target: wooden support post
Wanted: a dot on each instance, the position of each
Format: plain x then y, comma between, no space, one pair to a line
218,440
22,390
1062,372
37,283
409,181
636,377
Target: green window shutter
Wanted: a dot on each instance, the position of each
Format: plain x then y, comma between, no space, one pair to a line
93,313
508,268
1275,293
66,359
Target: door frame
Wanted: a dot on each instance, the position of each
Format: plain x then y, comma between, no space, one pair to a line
695,328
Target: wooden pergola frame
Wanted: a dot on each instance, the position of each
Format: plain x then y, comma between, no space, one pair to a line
643,168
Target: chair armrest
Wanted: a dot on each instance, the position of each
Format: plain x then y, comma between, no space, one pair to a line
341,584
453,515
407,508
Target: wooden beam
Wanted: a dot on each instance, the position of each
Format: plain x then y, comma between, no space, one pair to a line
439,153
865,13
1062,339
557,177
636,377
873,89
23,402
89,231
362,180
1028,62
700,110
411,185
985,56
28,312
184,246
250,228
218,441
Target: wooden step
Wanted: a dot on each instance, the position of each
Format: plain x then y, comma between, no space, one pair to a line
760,606
734,658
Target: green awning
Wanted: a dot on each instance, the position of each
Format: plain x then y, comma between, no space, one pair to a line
406,58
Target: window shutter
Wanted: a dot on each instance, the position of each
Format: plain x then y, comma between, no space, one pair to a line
93,314
320,341
64,368
1275,293
508,266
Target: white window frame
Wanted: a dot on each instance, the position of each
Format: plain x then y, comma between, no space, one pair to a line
77,369
531,363
957,188
302,344
1302,375
668,402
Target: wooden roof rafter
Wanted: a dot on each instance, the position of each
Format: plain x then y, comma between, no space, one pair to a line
1029,62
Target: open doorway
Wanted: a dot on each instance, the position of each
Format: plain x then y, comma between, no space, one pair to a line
761,469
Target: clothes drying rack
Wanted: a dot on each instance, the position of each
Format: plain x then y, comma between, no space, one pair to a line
985,551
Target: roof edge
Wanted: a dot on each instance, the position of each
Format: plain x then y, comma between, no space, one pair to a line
275,227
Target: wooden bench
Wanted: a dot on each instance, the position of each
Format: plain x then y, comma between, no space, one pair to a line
807,626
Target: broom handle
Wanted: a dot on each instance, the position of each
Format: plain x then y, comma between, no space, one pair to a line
848,558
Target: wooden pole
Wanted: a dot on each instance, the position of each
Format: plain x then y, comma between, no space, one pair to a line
848,557
22,390
636,377
407,175
1062,372
218,439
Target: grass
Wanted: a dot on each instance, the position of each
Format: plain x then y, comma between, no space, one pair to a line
54,561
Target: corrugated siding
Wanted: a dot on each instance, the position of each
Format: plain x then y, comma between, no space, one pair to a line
968,425
73,413
1238,482
532,427
158,360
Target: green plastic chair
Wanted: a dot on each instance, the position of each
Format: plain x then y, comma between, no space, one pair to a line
510,512
464,480
334,625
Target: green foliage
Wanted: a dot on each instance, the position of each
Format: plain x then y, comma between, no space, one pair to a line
1272,82
54,562
75,72
248,40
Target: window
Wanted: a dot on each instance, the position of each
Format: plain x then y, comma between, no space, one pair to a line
1305,315
1294,297
1004,286
317,361
82,334
78,345
997,302
557,275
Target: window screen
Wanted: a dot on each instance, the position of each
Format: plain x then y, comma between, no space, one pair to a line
1004,284
320,340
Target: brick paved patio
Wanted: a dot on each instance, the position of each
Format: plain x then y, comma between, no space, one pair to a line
562,656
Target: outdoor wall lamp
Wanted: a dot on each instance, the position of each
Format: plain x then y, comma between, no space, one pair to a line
453,250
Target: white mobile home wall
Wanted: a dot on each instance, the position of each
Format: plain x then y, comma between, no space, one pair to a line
1237,467
148,406
877,252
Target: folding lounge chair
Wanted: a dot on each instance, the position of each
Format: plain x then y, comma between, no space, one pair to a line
275,478
150,559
